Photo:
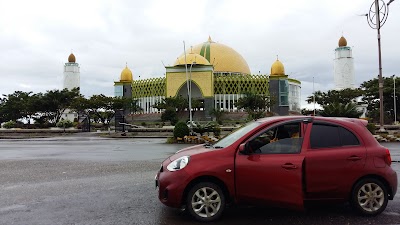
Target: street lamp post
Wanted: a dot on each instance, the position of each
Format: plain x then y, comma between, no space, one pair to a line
190,97
394,98
375,21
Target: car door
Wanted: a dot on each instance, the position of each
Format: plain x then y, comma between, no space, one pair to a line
334,159
273,173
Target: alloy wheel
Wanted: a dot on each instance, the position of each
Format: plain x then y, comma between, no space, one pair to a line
371,197
206,202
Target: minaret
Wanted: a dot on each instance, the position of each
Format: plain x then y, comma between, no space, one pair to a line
123,87
71,74
343,69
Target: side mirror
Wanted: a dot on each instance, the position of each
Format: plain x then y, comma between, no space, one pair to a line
243,148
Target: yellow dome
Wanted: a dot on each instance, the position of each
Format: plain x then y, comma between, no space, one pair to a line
342,42
277,68
126,74
71,58
222,57
191,58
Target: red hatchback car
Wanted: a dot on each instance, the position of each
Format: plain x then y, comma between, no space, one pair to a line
283,162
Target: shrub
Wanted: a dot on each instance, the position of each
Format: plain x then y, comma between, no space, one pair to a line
171,140
64,123
371,127
181,129
143,124
9,124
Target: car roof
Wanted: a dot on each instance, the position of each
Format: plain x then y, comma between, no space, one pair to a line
314,118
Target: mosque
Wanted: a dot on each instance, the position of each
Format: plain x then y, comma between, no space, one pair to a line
217,76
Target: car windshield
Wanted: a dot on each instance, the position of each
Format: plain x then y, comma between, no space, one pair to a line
236,134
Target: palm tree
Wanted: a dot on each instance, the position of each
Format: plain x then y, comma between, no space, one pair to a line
337,109
217,113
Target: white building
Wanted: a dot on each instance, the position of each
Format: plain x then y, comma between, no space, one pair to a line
71,80
343,69
71,77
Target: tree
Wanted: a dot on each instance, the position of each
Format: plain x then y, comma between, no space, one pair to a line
371,97
102,108
80,105
178,102
53,103
2,113
341,96
170,106
16,106
337,109
255,105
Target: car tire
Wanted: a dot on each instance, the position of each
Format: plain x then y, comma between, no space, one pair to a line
369,197
205,201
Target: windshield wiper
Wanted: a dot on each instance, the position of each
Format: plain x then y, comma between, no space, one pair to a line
218,147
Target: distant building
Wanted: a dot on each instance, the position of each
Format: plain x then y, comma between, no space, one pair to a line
343,70
217,76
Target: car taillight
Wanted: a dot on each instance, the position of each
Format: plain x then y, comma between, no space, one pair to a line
388,158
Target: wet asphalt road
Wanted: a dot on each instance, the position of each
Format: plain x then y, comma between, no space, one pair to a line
90,180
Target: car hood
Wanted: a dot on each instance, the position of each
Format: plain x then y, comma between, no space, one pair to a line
189,151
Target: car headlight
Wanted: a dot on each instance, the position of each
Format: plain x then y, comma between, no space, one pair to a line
178,164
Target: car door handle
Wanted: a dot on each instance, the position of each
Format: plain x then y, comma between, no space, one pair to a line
354,158
289,166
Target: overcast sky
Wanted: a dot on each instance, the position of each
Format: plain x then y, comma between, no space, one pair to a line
36,38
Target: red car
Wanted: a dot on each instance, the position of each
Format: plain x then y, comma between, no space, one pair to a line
283,162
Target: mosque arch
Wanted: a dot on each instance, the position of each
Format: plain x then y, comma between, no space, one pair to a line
196,90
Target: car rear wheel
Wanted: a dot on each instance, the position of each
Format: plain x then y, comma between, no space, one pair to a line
205,201
369,197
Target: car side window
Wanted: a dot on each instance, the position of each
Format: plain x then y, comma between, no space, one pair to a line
324,136
281,139
330,136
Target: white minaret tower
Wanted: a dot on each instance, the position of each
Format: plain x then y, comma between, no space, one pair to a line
71,74
343,69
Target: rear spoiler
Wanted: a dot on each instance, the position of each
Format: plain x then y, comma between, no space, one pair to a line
362,122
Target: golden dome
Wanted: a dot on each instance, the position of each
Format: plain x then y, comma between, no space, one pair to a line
222,57
342,42
277,68
191,58
126,74
71,58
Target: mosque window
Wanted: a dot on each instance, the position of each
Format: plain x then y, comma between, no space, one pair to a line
283,93
118,91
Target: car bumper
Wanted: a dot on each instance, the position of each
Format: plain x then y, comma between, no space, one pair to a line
171,186
392,176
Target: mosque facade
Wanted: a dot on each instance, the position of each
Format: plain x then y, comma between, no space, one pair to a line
343,69
217,76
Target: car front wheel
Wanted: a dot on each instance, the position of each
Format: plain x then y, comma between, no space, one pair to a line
205,201
369,197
